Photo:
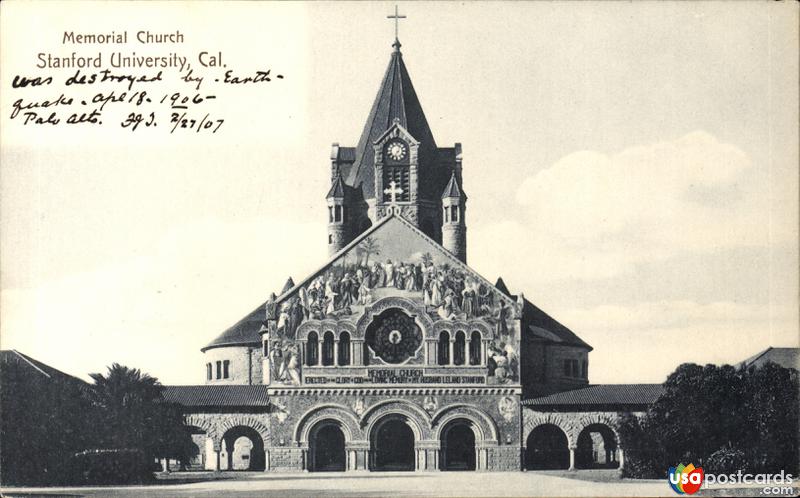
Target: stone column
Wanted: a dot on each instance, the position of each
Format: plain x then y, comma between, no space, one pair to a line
336,352
621,458
572,457
358,353
483,353
217,460
304,460
266,460
165,465
319,352
452,346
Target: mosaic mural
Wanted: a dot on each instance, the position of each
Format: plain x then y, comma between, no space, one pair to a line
395,262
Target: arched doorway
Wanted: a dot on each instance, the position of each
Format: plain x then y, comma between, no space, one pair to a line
326,448
547,449
458,446
597,448
392,442
243,448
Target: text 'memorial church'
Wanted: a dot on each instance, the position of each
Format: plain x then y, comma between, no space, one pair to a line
396,355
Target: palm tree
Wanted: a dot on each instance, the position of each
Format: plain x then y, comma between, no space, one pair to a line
369,246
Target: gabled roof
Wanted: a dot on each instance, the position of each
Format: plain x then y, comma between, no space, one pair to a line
607,395
785,357
543,326
36,367
217,395
396,100
246,331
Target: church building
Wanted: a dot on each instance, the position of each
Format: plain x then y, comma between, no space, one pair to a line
395,355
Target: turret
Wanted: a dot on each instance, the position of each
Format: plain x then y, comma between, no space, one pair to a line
337,216
454,227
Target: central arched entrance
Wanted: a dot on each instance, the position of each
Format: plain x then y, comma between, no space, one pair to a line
547,449
326,448
243,449
458,446
392,442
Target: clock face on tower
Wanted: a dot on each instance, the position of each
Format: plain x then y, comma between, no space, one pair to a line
394,336
396,150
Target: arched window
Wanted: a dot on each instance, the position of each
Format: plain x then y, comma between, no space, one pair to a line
344,348
327,349
312,346
446,215
444,348
459,348
330,214
475,348
219,370
226,369
454,214
338,214
208,371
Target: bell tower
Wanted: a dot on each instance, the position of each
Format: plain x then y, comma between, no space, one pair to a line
396,168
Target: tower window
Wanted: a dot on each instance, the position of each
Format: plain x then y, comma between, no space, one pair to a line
571,368
330,239
398,175
226,369
454,214
338,214
330,214
209,371
219,370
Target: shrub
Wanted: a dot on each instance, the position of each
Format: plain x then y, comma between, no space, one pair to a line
726,460
120,466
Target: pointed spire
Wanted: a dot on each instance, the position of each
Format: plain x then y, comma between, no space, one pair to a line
396,100
452,190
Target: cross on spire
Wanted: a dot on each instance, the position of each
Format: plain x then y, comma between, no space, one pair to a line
396,18
393,191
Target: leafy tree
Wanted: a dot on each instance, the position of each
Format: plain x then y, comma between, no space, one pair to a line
721,415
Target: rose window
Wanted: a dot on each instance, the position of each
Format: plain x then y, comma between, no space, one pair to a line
394,336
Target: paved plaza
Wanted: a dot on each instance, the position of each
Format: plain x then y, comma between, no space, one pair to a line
248,484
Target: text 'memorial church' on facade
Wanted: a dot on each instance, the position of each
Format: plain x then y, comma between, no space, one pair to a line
395,355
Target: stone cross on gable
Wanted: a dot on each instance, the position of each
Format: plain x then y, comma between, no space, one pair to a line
393,192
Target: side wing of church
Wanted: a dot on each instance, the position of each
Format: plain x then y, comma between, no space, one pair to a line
394,355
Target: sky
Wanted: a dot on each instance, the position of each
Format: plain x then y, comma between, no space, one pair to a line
631,167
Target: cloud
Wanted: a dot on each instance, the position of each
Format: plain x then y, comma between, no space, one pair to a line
594,215
650,339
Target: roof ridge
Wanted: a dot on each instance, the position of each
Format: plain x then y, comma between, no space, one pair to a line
31,363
